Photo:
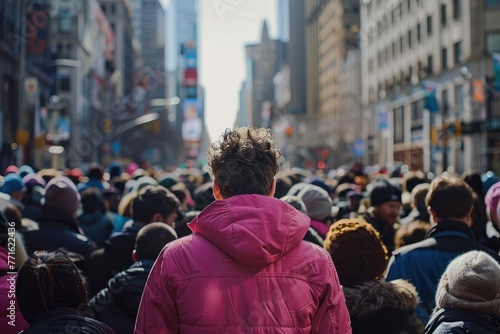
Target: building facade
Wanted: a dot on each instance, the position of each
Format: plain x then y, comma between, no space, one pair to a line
424,64
262,63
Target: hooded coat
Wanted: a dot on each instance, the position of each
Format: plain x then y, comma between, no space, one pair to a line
245,269
383,307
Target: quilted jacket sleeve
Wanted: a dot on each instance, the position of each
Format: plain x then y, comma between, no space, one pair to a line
332,315
157,311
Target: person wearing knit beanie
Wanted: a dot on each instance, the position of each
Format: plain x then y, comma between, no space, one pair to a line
356,250
383,214
468,296
375,306
61,193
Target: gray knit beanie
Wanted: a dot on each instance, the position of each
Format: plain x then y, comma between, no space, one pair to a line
471,282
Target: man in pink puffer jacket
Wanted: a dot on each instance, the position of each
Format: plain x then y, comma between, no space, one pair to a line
245,269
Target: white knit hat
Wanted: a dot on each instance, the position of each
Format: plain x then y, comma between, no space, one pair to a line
471,282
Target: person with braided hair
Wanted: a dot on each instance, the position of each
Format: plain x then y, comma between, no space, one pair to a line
52,296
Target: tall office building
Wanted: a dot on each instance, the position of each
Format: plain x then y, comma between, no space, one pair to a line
426,67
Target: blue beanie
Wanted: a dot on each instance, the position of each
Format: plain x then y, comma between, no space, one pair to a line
488,179
12,183
25,170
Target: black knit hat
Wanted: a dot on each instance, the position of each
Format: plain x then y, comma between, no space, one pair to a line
384,191
356,251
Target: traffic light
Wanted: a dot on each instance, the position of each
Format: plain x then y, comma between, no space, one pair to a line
458,129
289,132
106,126
434,135
156,126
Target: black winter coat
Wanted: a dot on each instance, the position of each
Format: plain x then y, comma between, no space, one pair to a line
118,303
459,321
66,320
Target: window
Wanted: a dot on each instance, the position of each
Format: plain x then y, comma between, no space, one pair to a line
419,32
459,100
445,103
64,84
113,27
429,25
398,126
393,50
493,42
492,4
417,111
457,9
409,39
64,21
457,53
112,8
430,65
443,16
401,44
103,8
444,58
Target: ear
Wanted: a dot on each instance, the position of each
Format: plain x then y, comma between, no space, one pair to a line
217,193
273,188
434,216
134,256
468,219
157,218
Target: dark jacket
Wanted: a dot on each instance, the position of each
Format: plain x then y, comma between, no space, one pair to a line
118,303
423,263
57,230
387,233
459,321
114,257
383,307
96,226
66,320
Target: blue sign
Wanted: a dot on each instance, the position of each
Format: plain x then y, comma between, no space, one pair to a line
430,100
383,119
496,71
359,148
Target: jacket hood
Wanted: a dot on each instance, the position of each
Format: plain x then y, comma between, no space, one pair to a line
372,296
252,229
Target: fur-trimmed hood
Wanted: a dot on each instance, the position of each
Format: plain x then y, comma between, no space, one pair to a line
371,296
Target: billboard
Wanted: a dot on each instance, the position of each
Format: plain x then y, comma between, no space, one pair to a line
192,124
37,33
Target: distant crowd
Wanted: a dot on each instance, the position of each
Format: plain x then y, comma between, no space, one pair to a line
410,254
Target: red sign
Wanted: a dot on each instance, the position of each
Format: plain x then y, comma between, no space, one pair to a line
190,77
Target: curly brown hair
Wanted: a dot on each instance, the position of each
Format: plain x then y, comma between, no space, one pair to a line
244,161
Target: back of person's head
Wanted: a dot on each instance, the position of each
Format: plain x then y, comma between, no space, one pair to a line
296,202
357,251
244,161
473,179
411,233
61,193
182,227
471,282
152,200
413,179
48,280
492,201
125,206
317,201
91,200
418,195
449,197
151,239
96,171
203,196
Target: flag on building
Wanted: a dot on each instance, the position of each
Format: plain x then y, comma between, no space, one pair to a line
430,99
496,72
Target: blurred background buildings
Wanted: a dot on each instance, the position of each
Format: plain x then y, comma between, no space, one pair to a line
377,81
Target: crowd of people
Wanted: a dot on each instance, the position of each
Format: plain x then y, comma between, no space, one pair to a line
242,247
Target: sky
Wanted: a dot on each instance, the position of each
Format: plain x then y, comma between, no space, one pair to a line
225,27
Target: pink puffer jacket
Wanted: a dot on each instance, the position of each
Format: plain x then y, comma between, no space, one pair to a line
244,270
